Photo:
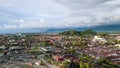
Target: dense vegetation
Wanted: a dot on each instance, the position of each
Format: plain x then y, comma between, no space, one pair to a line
78,33
98,63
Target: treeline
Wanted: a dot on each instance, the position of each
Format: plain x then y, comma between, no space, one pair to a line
78,33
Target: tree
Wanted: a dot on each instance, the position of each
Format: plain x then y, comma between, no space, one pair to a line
104,63
64,64
78,33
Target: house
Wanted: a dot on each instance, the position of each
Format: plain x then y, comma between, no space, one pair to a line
99,39
117,45
57,57
14,46
2,50
2,47
45,49
16,51
1,54
117,38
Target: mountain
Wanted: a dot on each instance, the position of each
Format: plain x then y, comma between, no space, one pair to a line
102,28
107,28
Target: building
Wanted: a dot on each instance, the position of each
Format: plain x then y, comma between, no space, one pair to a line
99,39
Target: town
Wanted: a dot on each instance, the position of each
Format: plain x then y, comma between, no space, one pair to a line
68,49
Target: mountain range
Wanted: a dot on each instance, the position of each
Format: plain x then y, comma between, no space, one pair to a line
101,28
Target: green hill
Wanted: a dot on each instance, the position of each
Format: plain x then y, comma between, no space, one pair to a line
78,33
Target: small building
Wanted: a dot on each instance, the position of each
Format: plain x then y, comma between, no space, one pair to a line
57,57
45,49
2,47
99,39
117,45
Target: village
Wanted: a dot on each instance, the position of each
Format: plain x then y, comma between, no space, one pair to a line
53,50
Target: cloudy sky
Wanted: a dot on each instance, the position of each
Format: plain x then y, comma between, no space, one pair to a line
29,14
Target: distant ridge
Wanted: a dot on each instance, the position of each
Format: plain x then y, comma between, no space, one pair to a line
102,28
108,28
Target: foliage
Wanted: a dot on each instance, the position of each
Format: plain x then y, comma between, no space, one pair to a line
45,43
71,51
104,63
1,50
64,64
103,34
78,33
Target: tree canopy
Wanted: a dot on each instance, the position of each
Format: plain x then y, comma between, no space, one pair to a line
78,33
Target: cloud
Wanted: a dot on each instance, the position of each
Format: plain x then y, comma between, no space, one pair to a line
10,26
26,14
97,12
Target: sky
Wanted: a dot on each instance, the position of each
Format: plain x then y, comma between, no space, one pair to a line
20,15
